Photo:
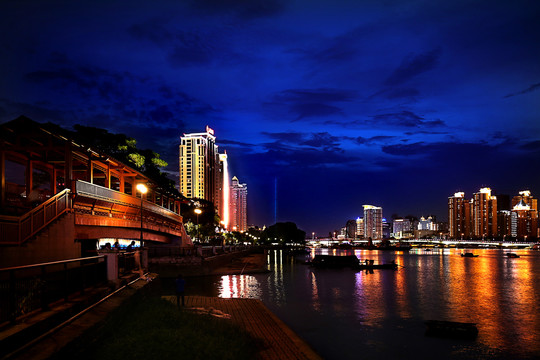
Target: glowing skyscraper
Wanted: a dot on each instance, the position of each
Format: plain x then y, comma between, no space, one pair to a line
373,222
199,160
238,212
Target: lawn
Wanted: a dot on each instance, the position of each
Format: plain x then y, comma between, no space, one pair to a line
148,327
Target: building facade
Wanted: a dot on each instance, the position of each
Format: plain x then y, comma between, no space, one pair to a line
223,191
359,228
373,222
238,206
459,216
199,165
484,206
401,228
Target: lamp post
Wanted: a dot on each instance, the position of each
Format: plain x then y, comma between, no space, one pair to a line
198,212
142,189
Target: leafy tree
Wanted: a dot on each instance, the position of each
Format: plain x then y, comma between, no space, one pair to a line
283,233
124,148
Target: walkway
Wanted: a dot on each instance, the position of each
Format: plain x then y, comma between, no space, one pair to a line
280,342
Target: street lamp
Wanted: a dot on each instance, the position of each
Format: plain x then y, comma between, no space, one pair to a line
142,189
198,212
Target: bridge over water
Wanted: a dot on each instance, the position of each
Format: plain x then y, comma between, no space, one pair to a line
430,242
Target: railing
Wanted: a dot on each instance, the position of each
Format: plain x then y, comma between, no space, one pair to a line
126,263
113,196
14,230
24,289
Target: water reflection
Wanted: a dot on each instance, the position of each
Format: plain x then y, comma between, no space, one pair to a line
331,307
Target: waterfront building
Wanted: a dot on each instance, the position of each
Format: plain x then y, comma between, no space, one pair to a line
401,228
359,228
223,191
427,224
350,229
484,206
459,216
238,206
526,197
526,226
199,166
386,229
373,225
506,223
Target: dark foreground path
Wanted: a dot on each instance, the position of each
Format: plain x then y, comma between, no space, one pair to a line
279,342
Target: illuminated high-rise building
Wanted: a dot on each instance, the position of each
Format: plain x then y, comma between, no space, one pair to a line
223,191
401,228
526,197
373,222
238,206
359,228
199,165
459,216
526,217
484,206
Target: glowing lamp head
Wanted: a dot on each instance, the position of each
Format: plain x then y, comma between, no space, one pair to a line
198,211
142,188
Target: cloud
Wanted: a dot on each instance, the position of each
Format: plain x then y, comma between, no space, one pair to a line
397,93
404,118
320,140
531,146
373,139
314,110
315,95
308,103
324,141
413,66
531,88
244,9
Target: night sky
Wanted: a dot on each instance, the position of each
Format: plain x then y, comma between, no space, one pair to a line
392,103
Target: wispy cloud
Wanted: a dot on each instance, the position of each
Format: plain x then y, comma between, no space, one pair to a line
531,88
412,66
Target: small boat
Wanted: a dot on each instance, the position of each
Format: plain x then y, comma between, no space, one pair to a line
330,261
350,261
451,329
512,255
468,254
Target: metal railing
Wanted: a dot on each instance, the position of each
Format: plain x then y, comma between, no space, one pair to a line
15,230
24,289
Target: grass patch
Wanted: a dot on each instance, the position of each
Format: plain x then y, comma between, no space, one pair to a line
148,327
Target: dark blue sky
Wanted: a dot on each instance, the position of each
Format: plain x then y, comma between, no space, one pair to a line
392,103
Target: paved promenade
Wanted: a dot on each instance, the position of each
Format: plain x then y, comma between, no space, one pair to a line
280,342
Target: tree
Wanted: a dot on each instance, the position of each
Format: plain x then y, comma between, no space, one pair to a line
283,233
124,148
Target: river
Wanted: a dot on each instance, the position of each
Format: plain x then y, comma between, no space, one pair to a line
348,314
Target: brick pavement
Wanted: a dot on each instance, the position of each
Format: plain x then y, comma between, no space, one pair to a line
280,342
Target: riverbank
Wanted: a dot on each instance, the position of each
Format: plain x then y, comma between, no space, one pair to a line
249,264
261,334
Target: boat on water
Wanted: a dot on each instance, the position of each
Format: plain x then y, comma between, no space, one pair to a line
468,254
350,261
512,255
331,261
451,329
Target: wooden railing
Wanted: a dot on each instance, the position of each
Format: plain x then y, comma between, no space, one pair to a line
14,230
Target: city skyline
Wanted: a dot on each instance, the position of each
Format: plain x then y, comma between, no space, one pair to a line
398,104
